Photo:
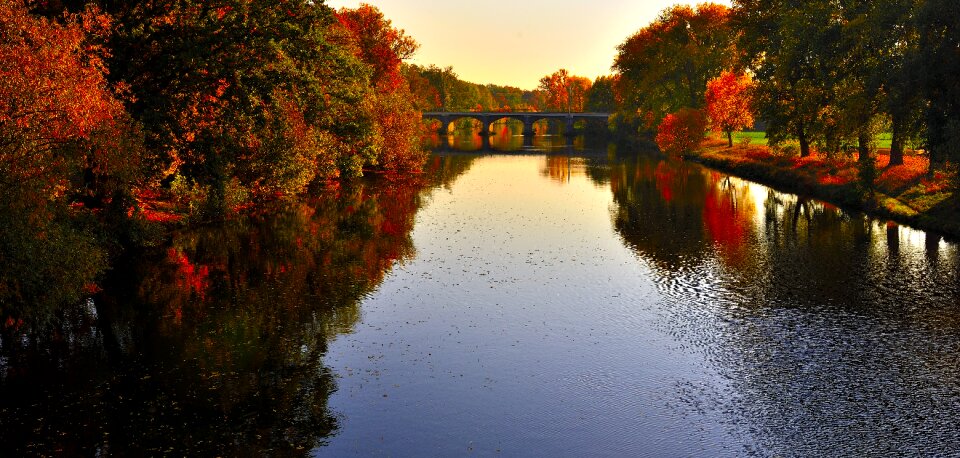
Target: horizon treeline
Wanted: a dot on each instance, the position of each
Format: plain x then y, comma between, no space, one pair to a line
441,89
111,110
828,76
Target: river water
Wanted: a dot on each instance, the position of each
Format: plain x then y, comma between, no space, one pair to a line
547,299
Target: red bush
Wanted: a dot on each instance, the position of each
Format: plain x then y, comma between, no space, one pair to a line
682,131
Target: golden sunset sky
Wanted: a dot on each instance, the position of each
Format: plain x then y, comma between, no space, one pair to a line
517,42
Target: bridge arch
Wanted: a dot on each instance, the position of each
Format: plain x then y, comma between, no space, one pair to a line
447,118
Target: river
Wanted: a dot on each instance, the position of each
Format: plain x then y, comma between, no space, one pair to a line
551,298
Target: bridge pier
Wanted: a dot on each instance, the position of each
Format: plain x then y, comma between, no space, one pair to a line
486,123
444,124
447,141
528,126
569,126
485,145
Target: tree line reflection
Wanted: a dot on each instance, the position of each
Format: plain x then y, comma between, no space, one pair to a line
214,344
831,330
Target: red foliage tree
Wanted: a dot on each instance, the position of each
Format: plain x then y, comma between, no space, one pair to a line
58,118
682,131
565,92
52,92
378,44
730,103
396,121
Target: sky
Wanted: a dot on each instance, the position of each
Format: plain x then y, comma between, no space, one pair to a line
515,43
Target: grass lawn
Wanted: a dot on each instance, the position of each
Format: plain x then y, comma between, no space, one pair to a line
756,138
760,138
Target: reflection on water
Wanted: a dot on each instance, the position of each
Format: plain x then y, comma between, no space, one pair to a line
508,137
214,345
566,301
837,333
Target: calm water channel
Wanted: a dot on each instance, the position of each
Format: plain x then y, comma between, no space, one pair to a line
547,299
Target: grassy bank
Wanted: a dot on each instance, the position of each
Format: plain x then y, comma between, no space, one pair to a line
903,193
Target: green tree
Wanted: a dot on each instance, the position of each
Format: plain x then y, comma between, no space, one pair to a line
781,45
939,64
601,97
830,72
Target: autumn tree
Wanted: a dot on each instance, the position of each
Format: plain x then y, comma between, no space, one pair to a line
52,91
565,92
396,120
56,107
378,44
244,98
682,131
509,98
729,103
425,96
666,65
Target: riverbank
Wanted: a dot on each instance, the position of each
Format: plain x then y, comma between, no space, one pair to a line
902,193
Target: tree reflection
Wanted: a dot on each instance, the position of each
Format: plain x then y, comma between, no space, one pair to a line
659,209
213,345
831,330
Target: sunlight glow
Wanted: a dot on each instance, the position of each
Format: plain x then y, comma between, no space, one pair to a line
518,43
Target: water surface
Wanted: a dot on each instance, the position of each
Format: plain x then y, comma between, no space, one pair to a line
549,301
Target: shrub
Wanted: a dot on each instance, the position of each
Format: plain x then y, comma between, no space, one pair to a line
788,150
682,131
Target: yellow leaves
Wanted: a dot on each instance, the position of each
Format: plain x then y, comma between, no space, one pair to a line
565,92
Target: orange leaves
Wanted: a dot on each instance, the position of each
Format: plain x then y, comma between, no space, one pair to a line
52,91
378,44
729,102
51,79
565,92
681,132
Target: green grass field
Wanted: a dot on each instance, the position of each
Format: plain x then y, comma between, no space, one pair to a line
756,138
760,138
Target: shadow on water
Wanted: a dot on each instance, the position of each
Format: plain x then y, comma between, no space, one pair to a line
213,345
834,331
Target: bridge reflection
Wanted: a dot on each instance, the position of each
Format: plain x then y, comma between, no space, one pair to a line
508,143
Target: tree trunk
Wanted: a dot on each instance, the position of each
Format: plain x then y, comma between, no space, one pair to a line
868,171
863,147
896,144
730,139
804,143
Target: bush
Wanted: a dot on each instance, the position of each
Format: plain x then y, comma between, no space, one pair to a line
788,150
682,131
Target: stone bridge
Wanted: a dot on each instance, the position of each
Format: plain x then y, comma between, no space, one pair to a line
526,117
